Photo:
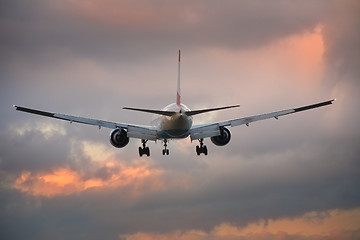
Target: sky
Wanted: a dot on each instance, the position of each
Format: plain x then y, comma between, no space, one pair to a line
293,178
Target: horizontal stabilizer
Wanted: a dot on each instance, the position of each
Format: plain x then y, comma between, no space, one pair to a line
195,112
165,113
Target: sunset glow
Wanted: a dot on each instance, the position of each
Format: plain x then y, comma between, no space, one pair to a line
66,181
295,177
334,224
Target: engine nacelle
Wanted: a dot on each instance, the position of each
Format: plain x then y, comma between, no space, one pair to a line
223,138
119,138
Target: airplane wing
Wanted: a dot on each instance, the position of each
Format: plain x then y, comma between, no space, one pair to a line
133,131
213,129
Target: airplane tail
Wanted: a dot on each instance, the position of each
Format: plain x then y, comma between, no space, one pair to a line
178,93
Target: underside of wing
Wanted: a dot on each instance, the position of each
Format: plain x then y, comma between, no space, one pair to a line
214,129
133,131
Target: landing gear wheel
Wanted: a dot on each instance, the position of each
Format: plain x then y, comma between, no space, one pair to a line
147,151
140,151
202,148
205,150
144,149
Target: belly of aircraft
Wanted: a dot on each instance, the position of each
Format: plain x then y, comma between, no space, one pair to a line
175,127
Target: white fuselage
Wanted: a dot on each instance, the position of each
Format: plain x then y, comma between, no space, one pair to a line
176,126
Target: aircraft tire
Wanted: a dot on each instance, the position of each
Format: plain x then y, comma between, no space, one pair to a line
198,150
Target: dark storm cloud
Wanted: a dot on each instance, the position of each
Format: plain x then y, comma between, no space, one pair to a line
66,56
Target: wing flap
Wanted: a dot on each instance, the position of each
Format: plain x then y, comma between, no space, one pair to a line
204,131
141,133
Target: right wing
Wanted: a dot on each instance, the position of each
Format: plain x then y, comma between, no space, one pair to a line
213,129
133,131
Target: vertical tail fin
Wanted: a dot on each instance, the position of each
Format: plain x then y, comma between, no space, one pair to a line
178,94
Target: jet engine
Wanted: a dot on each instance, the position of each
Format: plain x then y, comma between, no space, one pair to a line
223,138
119,138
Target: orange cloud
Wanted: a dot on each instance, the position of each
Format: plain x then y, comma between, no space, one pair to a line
332,225
66,181
294,62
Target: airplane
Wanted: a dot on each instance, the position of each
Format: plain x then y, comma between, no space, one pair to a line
175,122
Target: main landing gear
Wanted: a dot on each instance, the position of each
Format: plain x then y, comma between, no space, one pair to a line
144,149
165,150
202,148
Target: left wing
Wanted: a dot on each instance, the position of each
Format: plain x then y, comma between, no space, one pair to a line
213,129
133,131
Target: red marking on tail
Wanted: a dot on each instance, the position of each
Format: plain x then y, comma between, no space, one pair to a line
178,99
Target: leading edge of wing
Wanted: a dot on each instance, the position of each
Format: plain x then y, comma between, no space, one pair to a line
70,118
135,131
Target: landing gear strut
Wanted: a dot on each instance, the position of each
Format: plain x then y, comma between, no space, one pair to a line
144,149
165,150
202,148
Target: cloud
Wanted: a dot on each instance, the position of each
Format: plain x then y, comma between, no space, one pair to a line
47,130
333,225
121,27
91,58
66,181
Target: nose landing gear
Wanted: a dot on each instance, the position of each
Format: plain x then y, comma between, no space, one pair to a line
144,149
165,150
202,148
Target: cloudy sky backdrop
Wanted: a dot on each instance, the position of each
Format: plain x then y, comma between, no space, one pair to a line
295,178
